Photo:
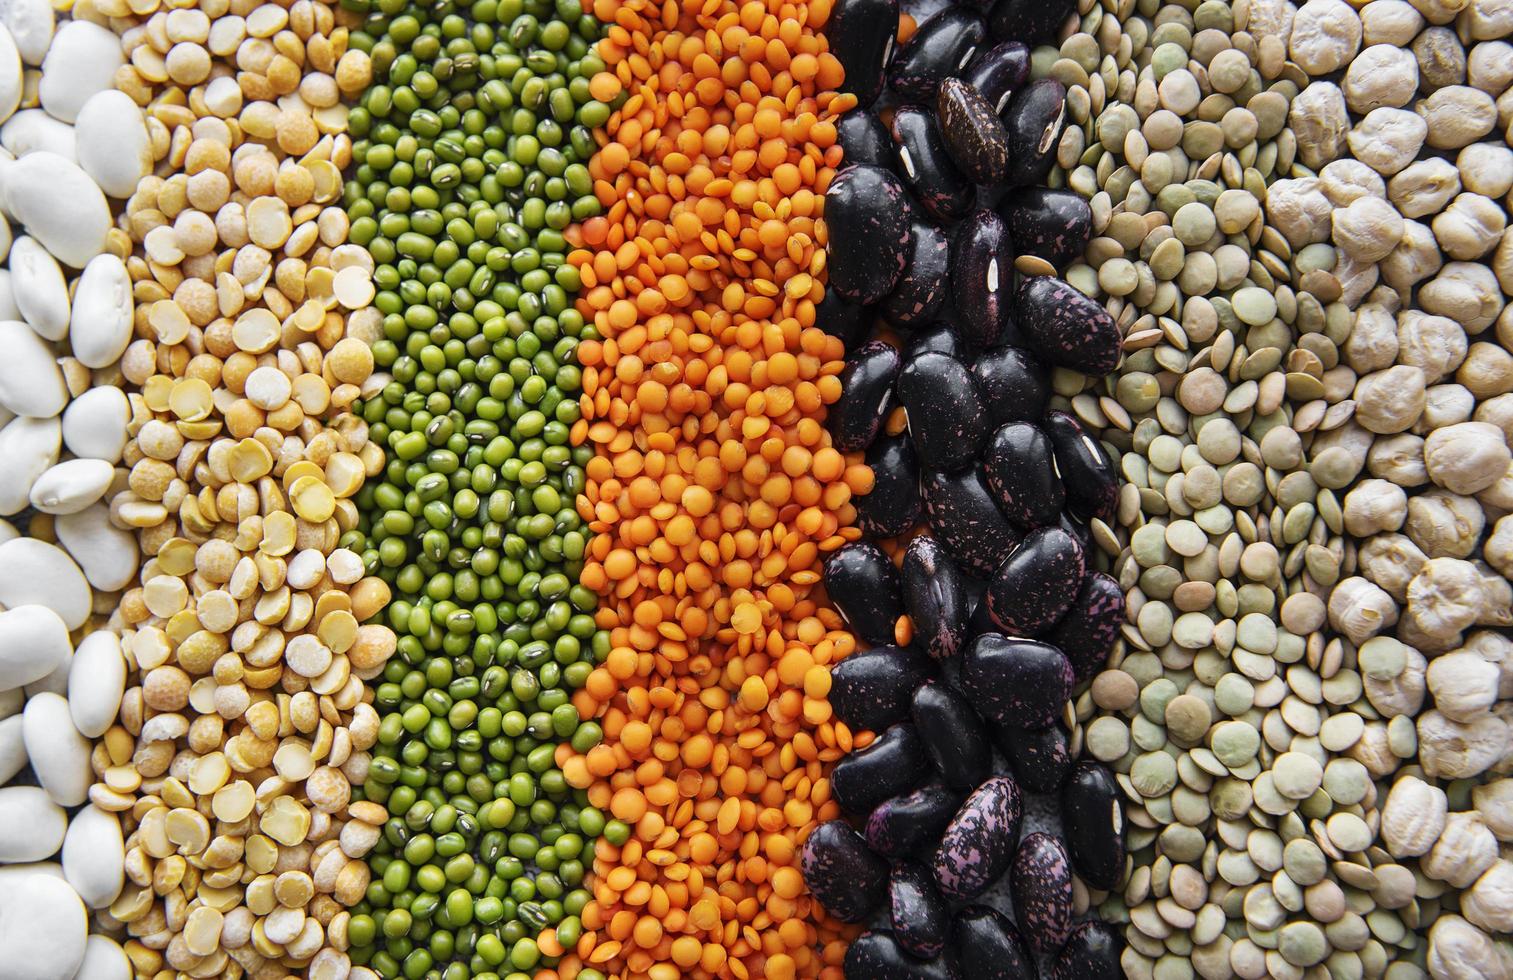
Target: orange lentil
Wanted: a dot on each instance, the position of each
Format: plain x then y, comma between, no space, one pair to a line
715,493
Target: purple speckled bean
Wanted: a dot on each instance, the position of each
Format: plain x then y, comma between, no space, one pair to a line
982,278
979,843
974,134
842,872
942,46
1030,21
891,507
1020,469
926,283
997,72
868,214
871,688
864,585
1088,631
1091,953
1092,487
1016,682
920,916
945,411
964,518
935,594
1092,814
1067,328
926,166
1041,882
1038,583
1049,222
899,826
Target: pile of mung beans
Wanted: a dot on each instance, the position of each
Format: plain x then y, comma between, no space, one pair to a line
470,155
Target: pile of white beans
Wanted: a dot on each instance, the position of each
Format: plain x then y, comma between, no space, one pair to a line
70,142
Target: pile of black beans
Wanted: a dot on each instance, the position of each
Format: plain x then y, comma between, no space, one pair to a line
926,220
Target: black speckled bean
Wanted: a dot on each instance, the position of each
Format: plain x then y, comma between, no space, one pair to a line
862,34
979,844
876,955
1021,471
1041,882
1091,953
866,391
1051,223
926,284
954,737
1087,632
942,46
872,688
989,947
1016,682
892,506
1066,328
974,134
926,167
997,72
915,820
920,916
868,213
935,596
982,278
840,318
1030,21
1014,385
965,520
864,139
893,764
1038,583
1092,486
1092,816
1039,759
865,587
1034,120
842,872
945,410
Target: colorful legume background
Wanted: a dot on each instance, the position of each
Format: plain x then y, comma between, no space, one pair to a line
547,490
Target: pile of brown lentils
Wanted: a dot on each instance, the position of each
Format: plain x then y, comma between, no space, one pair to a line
1301,222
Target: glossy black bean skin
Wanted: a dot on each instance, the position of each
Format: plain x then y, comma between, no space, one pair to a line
864,139
1015,682
842,872
868,212
1021,472
921,918
941,47
942,336
1091,953
1041,882
926,283
954,737
1031,21
1039,759
1049,222
876,955
861,35
1092,486
865,587
841,318
906,824
1014,384
1066,328
979,844
873,688
926,167
935,596
989,946
893,764
998,71
975,137
945,410
866,393
1087,632
1038,583
892,506
965,520
982,277
1092,815
1034,119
